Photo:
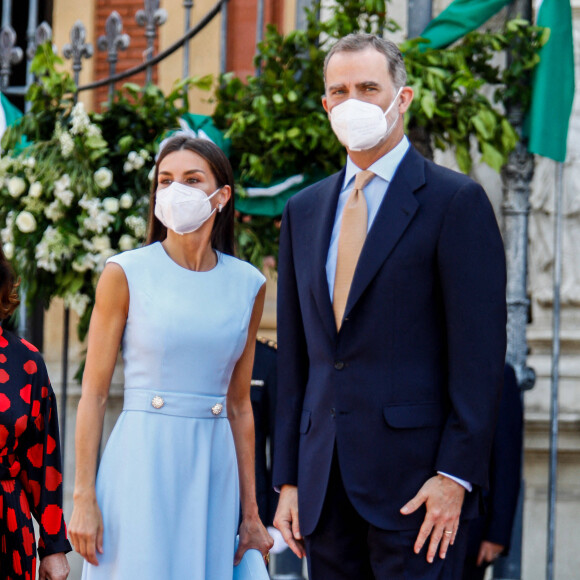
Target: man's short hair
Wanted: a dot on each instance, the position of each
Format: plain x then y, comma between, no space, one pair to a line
360,41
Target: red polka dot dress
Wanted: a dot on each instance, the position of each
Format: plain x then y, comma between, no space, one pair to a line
30,462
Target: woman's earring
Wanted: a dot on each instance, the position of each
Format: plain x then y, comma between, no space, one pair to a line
219,208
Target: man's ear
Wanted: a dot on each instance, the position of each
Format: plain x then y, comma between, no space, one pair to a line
406,97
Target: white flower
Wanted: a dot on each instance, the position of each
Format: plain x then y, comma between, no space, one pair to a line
16,186
35,189
6,235
77,302
138,163
111,204
9,250
93,131
53,211
29,162
126,242
80,120
151,174
62,183
103,177
98,222
144,154
52,250
101,243
67,144
103,257
25,222
127,167
126,201
84,263
137,224
65,195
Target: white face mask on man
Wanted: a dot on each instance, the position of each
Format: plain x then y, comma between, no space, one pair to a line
183,209
359,125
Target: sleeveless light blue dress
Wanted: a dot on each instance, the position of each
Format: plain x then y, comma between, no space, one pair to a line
167,483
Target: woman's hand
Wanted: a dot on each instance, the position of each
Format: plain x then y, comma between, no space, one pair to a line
253,534
86,529
54,567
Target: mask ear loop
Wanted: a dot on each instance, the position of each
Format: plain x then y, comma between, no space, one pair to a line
394,101
391,128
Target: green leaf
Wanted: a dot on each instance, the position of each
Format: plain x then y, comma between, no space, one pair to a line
484,123
463,158
492,156
428,104
509,137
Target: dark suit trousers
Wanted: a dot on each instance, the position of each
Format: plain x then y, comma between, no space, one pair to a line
344,546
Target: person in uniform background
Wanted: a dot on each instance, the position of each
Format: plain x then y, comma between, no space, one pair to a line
263,396
490,534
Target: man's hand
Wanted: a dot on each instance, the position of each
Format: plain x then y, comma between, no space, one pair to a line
443,499
286,519
488,552
54,567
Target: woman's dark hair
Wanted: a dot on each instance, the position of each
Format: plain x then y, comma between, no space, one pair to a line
8,285
222,235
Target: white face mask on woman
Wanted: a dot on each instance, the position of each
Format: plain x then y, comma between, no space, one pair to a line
183,209
360,125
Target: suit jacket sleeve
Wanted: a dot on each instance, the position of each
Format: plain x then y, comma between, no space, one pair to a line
471,263
292,363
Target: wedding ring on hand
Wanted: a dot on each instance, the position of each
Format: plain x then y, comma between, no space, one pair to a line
267,558
447,532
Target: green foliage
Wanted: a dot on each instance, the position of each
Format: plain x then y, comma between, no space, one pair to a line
278,127
275,119
451,87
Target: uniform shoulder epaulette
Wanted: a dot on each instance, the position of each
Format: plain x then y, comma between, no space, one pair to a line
268,342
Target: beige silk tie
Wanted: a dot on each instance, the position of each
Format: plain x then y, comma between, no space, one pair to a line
353,232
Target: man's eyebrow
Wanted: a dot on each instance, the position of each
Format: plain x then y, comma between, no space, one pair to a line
367,84
361,85
336,86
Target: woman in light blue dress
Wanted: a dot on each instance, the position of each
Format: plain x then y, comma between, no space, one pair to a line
165,502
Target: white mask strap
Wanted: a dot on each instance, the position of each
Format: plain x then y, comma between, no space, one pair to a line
394,101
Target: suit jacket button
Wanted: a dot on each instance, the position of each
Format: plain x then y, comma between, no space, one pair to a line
339,365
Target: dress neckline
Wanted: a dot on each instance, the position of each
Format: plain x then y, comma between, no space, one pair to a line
198,272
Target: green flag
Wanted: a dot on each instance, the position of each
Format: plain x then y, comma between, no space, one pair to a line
552,84
459,18
9,114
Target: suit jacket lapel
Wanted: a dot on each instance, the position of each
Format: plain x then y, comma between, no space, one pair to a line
395,213
325,204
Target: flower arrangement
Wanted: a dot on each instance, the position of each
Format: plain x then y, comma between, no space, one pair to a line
74,186
62,218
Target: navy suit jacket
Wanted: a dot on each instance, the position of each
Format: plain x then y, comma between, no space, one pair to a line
411,383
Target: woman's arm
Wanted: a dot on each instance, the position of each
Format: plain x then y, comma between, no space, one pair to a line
252,532
105,332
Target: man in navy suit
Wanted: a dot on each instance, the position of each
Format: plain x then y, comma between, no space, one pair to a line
386,412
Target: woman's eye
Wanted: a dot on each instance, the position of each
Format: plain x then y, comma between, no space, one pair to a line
193,180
